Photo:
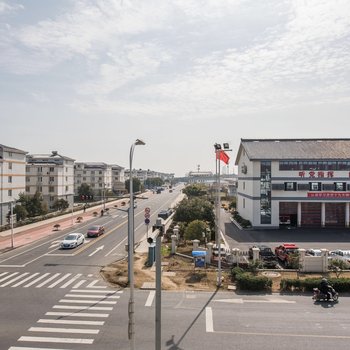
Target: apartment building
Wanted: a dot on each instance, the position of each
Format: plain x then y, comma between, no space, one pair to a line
52,175
143,175
118,179
12,178
296,182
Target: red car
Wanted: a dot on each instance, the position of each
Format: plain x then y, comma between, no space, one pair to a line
95,231
283,251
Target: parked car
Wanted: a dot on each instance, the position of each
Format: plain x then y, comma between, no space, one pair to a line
164,214
72,240
95,231
313,252
341,254
285,250
265,252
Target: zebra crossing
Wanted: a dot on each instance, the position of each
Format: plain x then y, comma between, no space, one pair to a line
79,322
45,280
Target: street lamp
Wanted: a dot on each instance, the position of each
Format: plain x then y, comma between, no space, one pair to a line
131,331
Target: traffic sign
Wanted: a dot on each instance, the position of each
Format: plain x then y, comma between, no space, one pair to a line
147,221
147,215
147,210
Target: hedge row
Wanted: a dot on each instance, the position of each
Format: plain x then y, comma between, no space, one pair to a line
339,284
248,281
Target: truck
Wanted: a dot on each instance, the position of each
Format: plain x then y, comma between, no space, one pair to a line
285,251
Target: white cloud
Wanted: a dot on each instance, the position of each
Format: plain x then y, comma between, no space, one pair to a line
5,7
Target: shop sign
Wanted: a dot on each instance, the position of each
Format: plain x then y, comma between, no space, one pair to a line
317,174
328,195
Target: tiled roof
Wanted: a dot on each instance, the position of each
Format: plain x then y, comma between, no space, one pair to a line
296,148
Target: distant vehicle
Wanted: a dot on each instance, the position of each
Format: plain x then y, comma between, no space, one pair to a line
95,231
164,214
72,240
284,251
265,252
313,252
341,254
285,220
159,190
223,250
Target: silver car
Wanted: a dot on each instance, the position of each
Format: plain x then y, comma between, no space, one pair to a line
72,240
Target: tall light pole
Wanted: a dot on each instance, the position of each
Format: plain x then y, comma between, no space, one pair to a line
131,312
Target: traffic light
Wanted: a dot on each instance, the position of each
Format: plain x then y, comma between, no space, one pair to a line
82,197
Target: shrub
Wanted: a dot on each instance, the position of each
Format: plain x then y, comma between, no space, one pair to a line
246,281
306,285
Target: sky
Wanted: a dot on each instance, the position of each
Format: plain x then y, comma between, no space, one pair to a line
87,78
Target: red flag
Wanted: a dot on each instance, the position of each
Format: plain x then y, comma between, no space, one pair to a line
222,155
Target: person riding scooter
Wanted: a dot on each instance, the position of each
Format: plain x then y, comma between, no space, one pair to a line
326,288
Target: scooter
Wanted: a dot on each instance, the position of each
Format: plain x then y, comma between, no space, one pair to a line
319,296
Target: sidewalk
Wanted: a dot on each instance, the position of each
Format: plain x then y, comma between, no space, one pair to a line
27,234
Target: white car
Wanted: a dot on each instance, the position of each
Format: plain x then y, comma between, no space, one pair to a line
72,240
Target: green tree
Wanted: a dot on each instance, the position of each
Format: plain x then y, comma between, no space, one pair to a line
195,190
34,205
20,211
195,209
60,204
195,230
136,185
85,190
153,182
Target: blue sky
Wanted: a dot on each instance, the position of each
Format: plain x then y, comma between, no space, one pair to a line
86,78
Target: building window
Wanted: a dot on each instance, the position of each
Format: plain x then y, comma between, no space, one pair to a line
66,178
51,179
290,186
40,169
66,170
51,169
100,172
66,188
340,186
84,172
10,166
93,172
51,189
10,154
243,203
84,178
265,192
27,169
9,193
315,186
100,185
10,179
27,189
243,185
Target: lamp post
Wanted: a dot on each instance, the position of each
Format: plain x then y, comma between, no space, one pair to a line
12,238
131,325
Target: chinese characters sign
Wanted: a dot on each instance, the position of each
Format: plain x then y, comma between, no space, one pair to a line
317,174
328,195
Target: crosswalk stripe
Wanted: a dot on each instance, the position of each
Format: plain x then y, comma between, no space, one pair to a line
79,284
25,280
14,279
87,301
92,285
63,330
59,281
57,340
48,280
36,280
26,348
92,296
3,273
80,322
71,280
78,314
82,307
9,276
107,292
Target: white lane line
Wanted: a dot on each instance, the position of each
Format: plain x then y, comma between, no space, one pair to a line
150,298
68,307
59,281
57,340
25,280
209,327
14,279
63,330
92,285
80,322
101,297
86,301
77,314
36,280
48,280
26,348
79,284
71,280
93,291
3,273
9,276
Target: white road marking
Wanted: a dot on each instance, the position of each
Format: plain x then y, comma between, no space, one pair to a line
48,280
96,250
79,284
150,298
57,340
71,280
68,307
26,348
80,322
63,330
92,296
77,314
59,280
92,285
120,243
3,273
14,279
69,301
9,276
209,326
36,280
94,291
241,301
25,280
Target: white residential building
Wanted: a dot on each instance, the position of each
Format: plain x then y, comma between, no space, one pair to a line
52,175
143,175
12,178
118,179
